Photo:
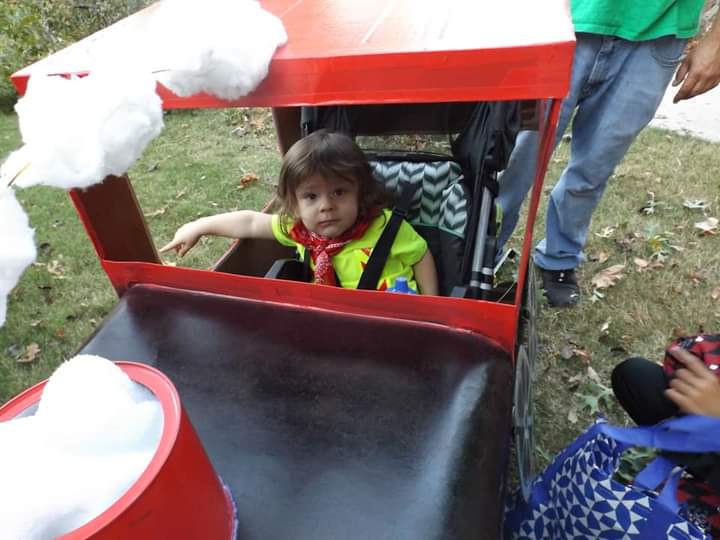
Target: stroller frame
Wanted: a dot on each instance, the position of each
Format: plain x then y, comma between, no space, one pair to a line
387,52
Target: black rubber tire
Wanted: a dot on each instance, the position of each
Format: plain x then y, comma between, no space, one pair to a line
523,422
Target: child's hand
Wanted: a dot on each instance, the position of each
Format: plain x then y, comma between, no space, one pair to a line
185,238
694,389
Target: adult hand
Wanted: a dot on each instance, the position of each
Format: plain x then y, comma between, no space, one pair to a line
694,389
700,70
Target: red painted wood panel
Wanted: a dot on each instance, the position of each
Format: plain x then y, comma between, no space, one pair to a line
372,51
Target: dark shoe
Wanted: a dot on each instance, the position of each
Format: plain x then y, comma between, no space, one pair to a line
561,288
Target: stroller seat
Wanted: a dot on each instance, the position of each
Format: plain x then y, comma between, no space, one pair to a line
439,207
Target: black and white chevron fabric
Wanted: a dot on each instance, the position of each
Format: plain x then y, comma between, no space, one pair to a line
440,200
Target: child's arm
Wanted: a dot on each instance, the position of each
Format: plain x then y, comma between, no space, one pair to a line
240,224
426,275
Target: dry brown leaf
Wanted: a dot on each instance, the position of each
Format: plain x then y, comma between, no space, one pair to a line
679,332
715,294
247,180
695,204
607,232
30,355
641,264
584,355
156,213
55,268
593,376
698,276
600,257
608,277
626,242
709,226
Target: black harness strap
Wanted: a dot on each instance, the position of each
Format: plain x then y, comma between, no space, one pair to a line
378,257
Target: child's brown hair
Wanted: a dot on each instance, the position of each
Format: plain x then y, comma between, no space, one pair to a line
329,155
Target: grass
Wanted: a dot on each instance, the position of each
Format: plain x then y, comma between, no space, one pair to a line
195,167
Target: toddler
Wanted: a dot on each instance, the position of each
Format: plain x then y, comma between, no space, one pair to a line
332,206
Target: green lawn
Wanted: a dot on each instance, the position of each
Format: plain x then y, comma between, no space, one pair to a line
194,168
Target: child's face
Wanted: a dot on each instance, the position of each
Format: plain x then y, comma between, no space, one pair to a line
327,207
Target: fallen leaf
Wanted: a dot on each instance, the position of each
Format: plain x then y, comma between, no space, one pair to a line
608,277
247,180
695,204
650,205
709,226
583,355
600,257
605,327
593,376
574,381
572,416
698,276
30,355
156,213
607,232
152,168
715,294
36,323
181,193
55,268
641,264
679,332
658,259
593,402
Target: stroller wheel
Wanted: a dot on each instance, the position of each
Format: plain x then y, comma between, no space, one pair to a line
523,425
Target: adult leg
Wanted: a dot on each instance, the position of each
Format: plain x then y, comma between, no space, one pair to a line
639,386
620,98
517,178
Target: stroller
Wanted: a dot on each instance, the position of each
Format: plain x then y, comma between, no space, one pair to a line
395,421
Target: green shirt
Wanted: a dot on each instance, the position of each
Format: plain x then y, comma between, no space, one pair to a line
637,20
407,250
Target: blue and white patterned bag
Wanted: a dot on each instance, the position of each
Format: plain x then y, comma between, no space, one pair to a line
576,497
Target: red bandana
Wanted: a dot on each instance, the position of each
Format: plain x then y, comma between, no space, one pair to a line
322,249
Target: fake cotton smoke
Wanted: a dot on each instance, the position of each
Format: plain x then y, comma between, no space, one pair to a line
77,131
221,47
94,433
18,245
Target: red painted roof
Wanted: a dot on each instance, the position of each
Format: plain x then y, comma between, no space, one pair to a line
381,51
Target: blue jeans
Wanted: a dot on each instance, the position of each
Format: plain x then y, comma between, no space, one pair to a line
616,87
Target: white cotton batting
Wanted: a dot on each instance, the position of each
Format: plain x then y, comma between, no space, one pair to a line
92,436
78,131
18,245
221,47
